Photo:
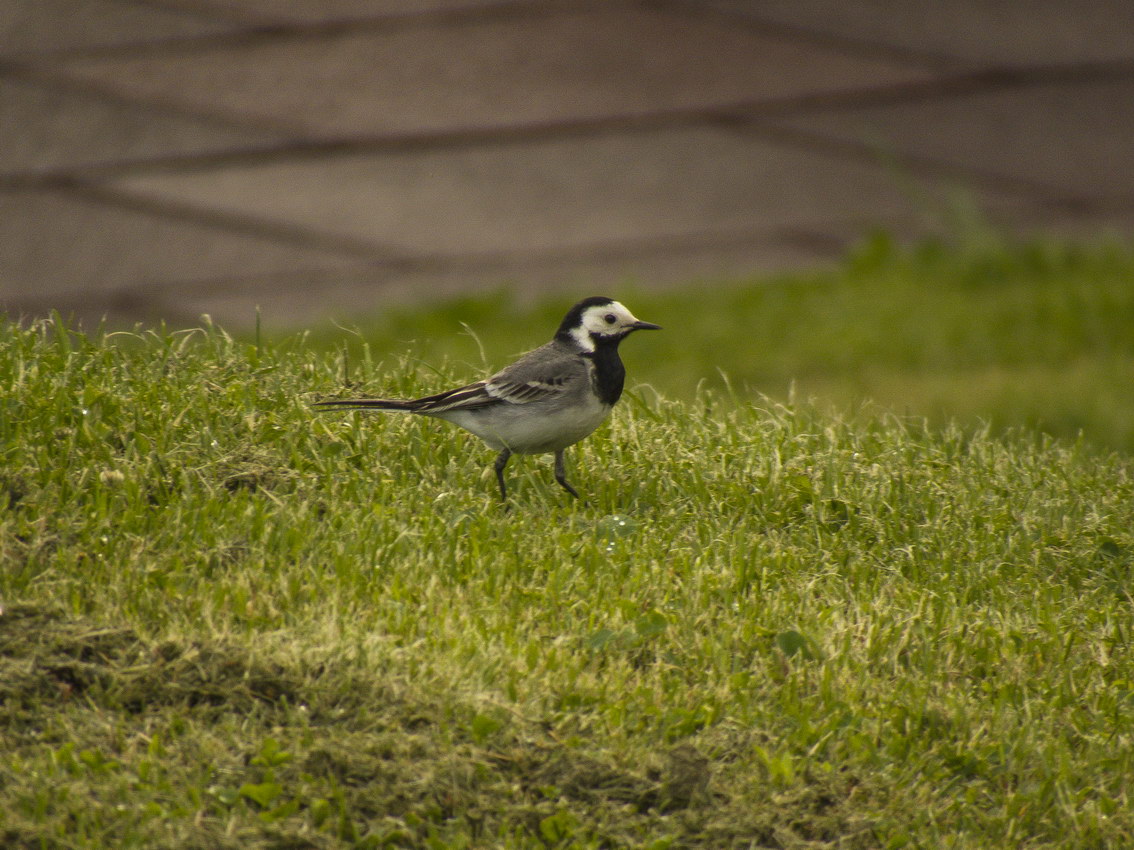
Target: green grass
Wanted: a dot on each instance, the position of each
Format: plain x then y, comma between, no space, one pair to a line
229,621
1037,334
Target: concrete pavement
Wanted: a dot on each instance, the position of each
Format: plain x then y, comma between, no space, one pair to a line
160,159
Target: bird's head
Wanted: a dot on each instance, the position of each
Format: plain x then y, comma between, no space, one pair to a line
597,320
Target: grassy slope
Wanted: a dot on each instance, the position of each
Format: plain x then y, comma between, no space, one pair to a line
230,622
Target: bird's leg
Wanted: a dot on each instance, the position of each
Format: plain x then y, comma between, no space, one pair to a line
561,474
501,462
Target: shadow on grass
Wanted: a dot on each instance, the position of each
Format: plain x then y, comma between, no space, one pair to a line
329,755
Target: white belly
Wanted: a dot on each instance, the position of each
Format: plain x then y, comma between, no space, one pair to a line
534,428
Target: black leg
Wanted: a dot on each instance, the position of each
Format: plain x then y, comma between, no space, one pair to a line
501,462
561,474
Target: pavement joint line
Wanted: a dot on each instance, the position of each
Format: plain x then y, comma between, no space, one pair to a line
265,30
152,291
944,86
1045,194
229,222
143,295
604,250
54,79
768,27
375,256
211,13
741,114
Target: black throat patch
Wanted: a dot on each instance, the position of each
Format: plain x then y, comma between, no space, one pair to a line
609,374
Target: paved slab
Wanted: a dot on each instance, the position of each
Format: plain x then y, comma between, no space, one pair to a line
56,246
972,33
536,198
30,28
498,72
45,129
1069,140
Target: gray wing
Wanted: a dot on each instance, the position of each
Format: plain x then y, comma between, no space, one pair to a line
548,372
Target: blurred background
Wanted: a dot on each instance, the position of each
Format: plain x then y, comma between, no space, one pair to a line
861,200
160,159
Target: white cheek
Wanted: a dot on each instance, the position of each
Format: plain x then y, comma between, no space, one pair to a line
583,336
599,325
595,324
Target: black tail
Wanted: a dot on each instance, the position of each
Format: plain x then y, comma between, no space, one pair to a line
368,404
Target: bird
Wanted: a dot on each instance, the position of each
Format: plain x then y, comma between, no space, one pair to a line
548,400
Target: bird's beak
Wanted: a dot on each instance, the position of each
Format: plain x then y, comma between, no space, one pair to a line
645,326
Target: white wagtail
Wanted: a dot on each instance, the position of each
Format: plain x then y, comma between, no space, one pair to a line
547,400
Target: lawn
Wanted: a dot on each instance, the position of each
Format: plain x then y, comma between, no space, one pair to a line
780,618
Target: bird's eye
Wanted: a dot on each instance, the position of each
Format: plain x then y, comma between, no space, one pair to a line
610,318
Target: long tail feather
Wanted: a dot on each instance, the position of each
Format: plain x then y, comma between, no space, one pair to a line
469,397
367,404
